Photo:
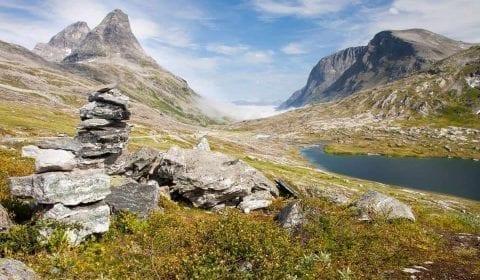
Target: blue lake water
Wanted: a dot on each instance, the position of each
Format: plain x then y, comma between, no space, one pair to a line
458,177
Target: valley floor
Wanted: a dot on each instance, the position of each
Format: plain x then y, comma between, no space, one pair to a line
194,244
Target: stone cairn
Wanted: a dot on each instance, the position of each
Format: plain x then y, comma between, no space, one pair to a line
70,181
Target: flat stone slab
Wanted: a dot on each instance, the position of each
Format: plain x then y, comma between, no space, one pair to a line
59,144
104,111
111,96
50,159
94,218
73,188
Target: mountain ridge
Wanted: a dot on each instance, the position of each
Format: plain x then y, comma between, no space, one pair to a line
389,56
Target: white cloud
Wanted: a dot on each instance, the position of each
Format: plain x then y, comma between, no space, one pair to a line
294,48
456,19
173,36
227,49
300,8
258,57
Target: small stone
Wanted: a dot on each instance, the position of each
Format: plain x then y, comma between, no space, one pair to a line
292,217
104,111
203,145
112,96
95,123
256,201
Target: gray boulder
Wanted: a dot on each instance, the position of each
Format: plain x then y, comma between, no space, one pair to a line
80,186
141,163
16,270
86,220
292,217
5,221
210,178
140,199
372,204
21,186
103,111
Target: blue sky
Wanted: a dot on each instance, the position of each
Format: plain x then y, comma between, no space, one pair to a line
244,50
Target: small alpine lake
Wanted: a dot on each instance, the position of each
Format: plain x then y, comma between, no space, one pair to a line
459,177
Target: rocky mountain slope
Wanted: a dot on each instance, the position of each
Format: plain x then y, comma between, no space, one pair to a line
111,54
389,56
62,44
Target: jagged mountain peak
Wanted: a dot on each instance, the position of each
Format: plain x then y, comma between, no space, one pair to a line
113,37
64,42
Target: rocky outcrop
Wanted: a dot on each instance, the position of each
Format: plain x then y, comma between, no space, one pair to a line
16,270
70,180
373,204
63,43
292,217
389,56
207,179
5,221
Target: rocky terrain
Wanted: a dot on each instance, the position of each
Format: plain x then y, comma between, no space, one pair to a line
168,196
389,56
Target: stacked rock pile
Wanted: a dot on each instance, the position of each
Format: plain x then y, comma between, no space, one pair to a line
70,181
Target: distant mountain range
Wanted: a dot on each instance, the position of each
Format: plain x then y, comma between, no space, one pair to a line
388,57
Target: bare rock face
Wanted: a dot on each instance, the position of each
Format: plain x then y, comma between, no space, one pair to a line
93,218
5,221
389,56
292,217
16,270
207,179
372,204
113,36
140,199
63,43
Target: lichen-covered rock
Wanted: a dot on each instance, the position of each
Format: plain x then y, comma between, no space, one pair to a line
210,178
140,199
5,221
372,204
292,217
21,186
81,186
16,270
85,220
